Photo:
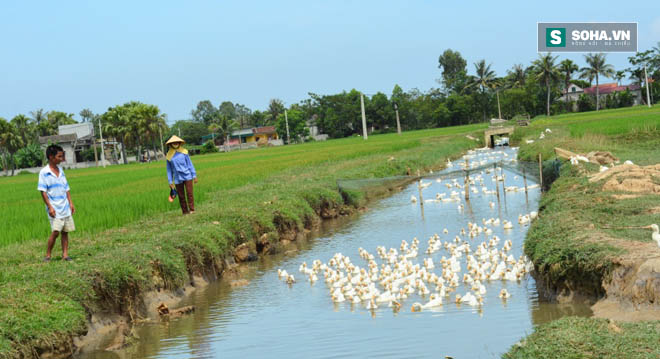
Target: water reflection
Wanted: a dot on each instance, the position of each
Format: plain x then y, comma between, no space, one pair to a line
270,319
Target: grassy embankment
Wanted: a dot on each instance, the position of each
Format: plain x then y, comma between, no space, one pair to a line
131,240
573,337
568,243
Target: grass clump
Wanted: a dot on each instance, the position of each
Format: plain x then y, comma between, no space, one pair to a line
573,337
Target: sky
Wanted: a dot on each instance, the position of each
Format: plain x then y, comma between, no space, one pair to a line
71,55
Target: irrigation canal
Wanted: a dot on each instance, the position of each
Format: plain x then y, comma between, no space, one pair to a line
269,318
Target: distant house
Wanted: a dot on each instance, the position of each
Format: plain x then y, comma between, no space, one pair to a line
74,139
574,91
605,89
68,142
314,130
264,135
257,136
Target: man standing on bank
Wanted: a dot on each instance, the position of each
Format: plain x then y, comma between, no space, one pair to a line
54,190
181,173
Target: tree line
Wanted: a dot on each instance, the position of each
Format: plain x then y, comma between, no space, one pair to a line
463,97
137,126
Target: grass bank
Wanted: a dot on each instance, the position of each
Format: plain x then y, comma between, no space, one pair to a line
574,253
564,243
572,337
272,191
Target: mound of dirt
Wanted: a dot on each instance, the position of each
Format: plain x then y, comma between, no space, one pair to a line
597,157
602,157
630,178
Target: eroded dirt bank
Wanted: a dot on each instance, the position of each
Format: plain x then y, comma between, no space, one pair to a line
625,285
112,329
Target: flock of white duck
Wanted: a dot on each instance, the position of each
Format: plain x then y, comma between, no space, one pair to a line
477,182
473,257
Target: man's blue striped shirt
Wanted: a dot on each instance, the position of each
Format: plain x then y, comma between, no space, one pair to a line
56,189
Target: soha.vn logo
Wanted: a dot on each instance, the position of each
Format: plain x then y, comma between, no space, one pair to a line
555,37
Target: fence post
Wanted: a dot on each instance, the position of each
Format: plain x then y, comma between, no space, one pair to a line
497,185
466,180
419,187
503,186
541,171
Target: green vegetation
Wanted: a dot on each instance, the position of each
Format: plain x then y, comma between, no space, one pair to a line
629,133
114,196
131,239
573,337
569,244
462,99
242,195
561,243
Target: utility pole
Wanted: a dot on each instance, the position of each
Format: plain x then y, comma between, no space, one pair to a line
364,118
102,147
160,134
179,130
398,124
96,156
499,111
286,120
646,77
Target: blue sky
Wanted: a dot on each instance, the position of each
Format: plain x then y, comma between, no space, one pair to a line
71,55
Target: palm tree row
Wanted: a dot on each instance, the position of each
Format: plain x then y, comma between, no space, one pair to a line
546,72
596,67
135,124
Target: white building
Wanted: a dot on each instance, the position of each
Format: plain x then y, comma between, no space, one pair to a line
76,138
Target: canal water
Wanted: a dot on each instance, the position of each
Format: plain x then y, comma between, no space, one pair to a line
268,318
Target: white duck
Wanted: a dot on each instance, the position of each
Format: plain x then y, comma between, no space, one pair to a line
372,304
435,301
656,234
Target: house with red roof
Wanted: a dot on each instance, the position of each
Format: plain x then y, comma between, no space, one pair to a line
266,135
574,91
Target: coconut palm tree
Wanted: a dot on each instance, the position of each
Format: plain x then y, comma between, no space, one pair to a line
597,66
86,114
115,123
517,75
41,121
223,127
484,81
567,68
620,75
152,123
546,72
26,129
10,142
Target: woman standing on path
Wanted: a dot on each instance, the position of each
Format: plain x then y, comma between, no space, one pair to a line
181,173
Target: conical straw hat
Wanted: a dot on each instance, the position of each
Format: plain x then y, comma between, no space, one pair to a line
174,139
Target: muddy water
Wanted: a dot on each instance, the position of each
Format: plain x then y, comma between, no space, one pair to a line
268,318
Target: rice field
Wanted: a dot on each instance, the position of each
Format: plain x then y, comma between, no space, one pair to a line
607,122
631,133
116,195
